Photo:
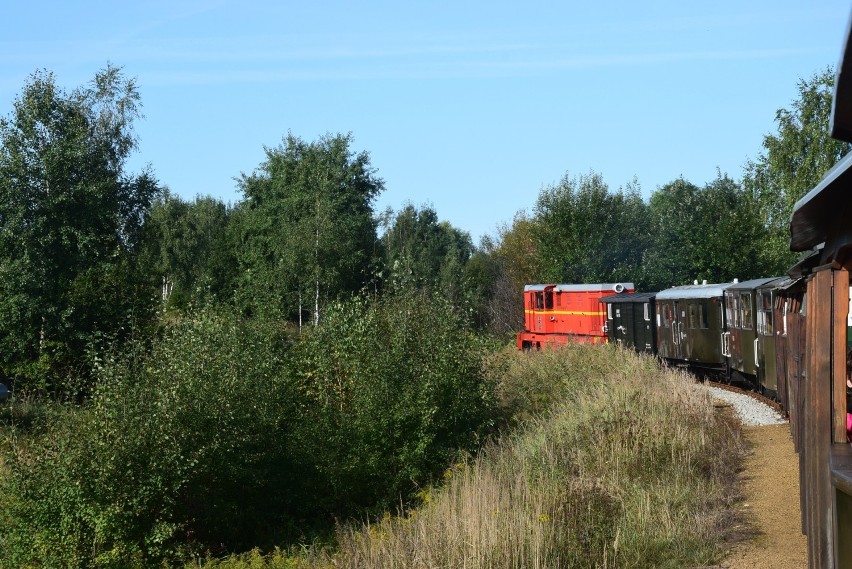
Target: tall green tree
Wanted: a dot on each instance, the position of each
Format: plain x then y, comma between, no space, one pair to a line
712,233
794,160
70,219
422,251
585,233
186,251
306,228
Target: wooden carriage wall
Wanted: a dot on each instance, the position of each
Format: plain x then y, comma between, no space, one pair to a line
817,399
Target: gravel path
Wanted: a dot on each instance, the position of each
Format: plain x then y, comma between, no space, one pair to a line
772,536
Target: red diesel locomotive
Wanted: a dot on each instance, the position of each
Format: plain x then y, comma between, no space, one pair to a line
558,314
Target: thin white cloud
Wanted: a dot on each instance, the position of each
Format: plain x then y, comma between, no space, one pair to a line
465,68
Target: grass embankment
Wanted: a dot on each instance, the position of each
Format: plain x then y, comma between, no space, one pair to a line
611,463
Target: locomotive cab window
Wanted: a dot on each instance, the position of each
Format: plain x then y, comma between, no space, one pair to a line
548,300
539,300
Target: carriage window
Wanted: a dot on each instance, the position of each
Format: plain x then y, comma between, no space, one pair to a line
731,311
647,314
702,316
765,318
609,311
693,324
746,311
667,315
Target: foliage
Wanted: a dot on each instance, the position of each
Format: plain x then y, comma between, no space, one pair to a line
628,468
70,219
255,559
422,251
793,161
712,233
585,233
180,450
625,466
186,251
227,433
395,390
305,229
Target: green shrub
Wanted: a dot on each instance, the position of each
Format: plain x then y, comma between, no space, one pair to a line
226,434
395,390
178,450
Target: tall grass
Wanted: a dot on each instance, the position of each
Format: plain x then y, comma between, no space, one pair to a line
612,463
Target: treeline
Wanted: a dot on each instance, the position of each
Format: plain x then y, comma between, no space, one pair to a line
90,252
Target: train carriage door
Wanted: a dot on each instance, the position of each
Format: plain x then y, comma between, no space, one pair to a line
628,323
645,332
767,375
677,319
665,343
550,324
537,324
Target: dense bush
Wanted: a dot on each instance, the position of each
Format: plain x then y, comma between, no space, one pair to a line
395,391
177,450
225,434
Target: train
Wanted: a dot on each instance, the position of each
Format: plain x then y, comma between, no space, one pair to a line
558,314
743,332
787,335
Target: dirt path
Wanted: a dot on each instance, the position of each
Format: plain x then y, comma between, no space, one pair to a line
771,489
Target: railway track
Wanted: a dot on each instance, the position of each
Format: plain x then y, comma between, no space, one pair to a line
750,393
772,404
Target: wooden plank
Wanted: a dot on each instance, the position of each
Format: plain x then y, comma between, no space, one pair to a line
840,300
818,421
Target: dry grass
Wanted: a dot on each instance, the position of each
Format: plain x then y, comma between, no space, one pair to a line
612,463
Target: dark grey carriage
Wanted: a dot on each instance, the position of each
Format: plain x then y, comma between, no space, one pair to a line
690,323
631,321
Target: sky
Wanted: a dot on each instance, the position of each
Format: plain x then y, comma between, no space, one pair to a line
470,107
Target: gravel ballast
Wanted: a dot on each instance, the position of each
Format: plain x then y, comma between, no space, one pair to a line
750,411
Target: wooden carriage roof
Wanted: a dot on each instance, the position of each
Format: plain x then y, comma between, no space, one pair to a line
841,115
815,217
815,214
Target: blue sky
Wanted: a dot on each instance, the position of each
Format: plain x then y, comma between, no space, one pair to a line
472,107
